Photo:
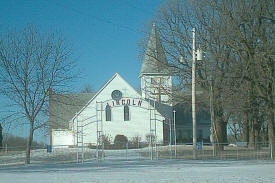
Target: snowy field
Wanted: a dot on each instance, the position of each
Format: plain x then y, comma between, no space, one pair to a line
131,171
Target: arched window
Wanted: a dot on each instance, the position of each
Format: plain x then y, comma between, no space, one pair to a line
126,113
108,113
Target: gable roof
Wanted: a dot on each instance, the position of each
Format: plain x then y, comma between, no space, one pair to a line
62,107
164,109
65,107
101,89
154,61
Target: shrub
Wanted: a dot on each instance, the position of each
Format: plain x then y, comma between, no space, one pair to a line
150,136
120,141
107,139
135,142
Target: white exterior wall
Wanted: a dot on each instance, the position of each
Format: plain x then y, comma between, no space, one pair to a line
139,124
62,138
148,88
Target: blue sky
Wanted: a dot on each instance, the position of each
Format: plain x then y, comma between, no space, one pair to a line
104,33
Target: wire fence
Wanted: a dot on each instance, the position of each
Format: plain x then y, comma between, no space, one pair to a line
221,151
205,151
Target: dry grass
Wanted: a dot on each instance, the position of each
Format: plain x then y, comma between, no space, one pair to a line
229,152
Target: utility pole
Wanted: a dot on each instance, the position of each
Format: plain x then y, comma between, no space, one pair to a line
196,55
175,134
194,95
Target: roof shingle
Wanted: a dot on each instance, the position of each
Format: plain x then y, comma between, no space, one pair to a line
63,107
154,60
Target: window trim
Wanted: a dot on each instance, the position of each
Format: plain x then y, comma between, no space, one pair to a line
108,113
124,113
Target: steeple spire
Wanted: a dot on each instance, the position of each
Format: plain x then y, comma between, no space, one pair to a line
154,60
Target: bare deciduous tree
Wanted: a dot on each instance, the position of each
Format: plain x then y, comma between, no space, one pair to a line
87,89
30,64
238,67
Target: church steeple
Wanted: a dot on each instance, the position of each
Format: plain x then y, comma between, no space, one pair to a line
156,83
154,59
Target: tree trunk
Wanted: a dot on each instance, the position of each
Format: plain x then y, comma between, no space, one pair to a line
271,134
245,135
264,135
29,145
220,125
221,132
258,142
251,143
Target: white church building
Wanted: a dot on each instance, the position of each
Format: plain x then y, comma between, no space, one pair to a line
117,108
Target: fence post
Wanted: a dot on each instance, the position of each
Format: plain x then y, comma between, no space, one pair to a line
257,151
271,151
127,151
138,149
237,152
203,155
157,153
213,149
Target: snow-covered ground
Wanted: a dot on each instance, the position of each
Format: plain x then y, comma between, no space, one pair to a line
129,166
62,155
131,171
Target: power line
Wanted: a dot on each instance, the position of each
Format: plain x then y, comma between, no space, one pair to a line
138,8
100,19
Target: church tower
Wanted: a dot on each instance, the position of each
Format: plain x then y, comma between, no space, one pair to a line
156,82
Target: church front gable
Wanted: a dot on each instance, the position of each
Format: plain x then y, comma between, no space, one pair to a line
122,111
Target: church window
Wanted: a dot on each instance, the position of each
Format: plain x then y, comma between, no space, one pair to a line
126,113
108,113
